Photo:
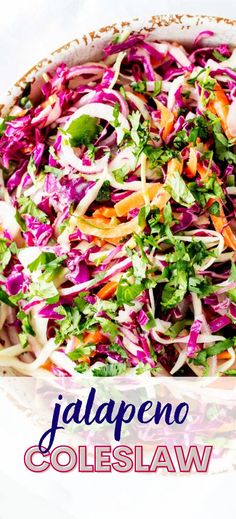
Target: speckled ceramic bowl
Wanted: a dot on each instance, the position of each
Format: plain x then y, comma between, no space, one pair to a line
181,28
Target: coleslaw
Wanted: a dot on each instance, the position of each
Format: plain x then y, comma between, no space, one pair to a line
117,215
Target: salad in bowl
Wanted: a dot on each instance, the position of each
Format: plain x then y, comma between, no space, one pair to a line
117,214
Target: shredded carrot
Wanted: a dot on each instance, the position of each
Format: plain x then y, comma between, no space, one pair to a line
99,242
93,337
220,222
192,163
221,225
162,196
99,220
167,119
107,212
136,200
141,96
156,62
224,355
48,365
108,290
220,106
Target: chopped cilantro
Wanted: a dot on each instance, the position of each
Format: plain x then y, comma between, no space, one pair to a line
26,328
80,352
27,206
180,273
44,289
108,326
157,88
83,130
179,191
49,265
104,193
109,370
230,372
3,125
222,145
158,156
204,191
82,367
174,330
192,79
214,209
217,55
140,86
181,139
218,347
5,298
91,152
126,293
55,171
120,174
5,253
118,349
116,113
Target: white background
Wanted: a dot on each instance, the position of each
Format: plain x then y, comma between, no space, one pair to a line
29,30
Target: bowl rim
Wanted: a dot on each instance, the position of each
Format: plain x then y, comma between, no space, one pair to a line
10,98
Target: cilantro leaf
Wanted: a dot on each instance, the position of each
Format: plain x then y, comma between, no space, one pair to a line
191,80
214,209
180,273
118,349
69,325
5,254
116,112
222,145
120,174
108,327
174,330
82,367
179,191
83,130
80,352
230,372
218,347
207,190
126,293
5,298
105,192
140,86
175,290
109,370
232,294
49,264
158,156
45,290
3,125
43,259
27,206
26,328
217,55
